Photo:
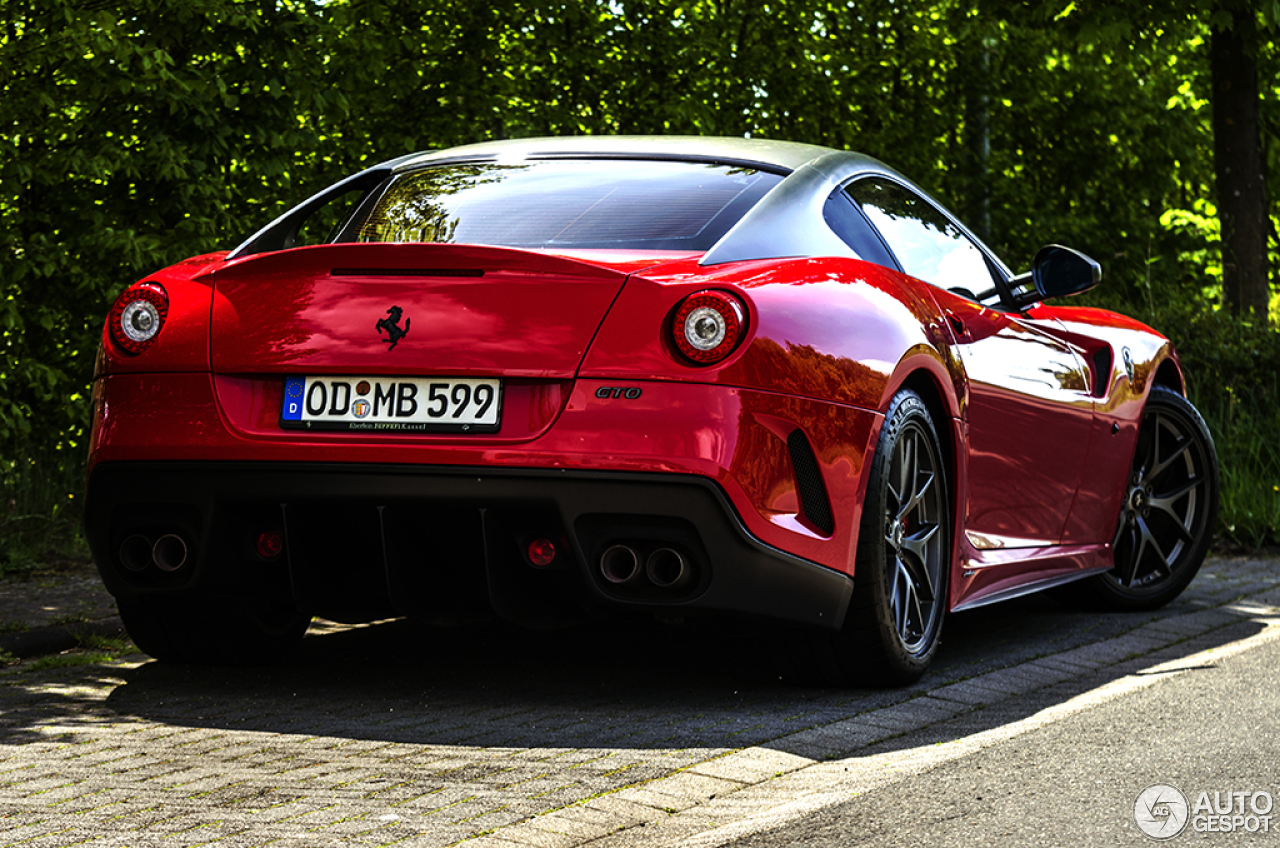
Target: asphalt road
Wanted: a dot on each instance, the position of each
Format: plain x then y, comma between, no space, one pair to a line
1075,782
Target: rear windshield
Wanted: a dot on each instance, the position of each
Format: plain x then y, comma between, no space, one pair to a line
578,203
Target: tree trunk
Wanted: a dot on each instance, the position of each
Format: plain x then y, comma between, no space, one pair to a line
1238,166
977,140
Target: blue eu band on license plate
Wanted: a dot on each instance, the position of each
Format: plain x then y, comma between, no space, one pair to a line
392,404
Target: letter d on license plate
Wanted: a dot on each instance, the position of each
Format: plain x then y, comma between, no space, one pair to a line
392,404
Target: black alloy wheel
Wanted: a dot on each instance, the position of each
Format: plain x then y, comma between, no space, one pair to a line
894,622
1170,507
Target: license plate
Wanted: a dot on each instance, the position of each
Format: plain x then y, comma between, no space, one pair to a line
392,404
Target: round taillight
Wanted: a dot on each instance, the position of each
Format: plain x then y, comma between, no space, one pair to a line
708,326
137,316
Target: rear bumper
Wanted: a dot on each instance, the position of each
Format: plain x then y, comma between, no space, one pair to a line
741,441
364,541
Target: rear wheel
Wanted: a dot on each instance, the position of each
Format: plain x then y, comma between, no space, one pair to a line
1169,511
221,632
894,623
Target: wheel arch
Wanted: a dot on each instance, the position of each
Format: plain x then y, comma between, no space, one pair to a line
925,384
1169,374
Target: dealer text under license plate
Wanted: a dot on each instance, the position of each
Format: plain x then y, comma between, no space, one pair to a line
392,404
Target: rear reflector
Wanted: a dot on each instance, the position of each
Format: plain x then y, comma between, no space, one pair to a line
541,552
268,544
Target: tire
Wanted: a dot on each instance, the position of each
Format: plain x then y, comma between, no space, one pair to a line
1169,511
894,623
213,633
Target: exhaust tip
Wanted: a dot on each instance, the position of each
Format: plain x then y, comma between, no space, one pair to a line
667,569
620,564
169,552
135,552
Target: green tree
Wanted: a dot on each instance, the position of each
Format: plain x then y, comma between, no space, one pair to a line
1239,170
131,139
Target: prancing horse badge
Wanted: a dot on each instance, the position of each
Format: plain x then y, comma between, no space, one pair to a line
392,326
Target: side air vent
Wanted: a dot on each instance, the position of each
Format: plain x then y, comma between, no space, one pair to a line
814,504
1101,370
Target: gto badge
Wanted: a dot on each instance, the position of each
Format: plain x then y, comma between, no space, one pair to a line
392,326
615,392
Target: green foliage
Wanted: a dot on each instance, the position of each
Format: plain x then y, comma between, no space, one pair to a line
1233,377
40,512
127,142
136,134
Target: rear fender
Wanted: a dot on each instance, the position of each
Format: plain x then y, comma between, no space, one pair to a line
828,329
183,341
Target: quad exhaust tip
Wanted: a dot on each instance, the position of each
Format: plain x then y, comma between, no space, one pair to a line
664,568
667,569
135,552
168,553
620,564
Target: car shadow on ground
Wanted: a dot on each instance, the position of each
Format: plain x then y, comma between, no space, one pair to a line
710,686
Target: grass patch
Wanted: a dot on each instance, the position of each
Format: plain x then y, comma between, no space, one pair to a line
70,658
91,650
117,644
70,618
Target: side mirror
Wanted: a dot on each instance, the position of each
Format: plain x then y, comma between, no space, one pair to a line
1056,271
1059,271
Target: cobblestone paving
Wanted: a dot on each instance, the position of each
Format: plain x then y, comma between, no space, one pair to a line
493,737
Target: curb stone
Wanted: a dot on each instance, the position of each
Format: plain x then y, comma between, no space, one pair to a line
56,638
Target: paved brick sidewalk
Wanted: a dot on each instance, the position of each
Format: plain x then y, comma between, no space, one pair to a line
395,734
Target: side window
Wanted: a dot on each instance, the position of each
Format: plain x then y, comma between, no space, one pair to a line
322,224
845,221
927,245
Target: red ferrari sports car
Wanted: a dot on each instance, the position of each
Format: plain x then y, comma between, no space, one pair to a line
557,379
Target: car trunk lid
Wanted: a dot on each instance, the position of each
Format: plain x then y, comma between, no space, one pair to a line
408,309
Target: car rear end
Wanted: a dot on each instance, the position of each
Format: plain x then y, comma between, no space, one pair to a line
405,423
